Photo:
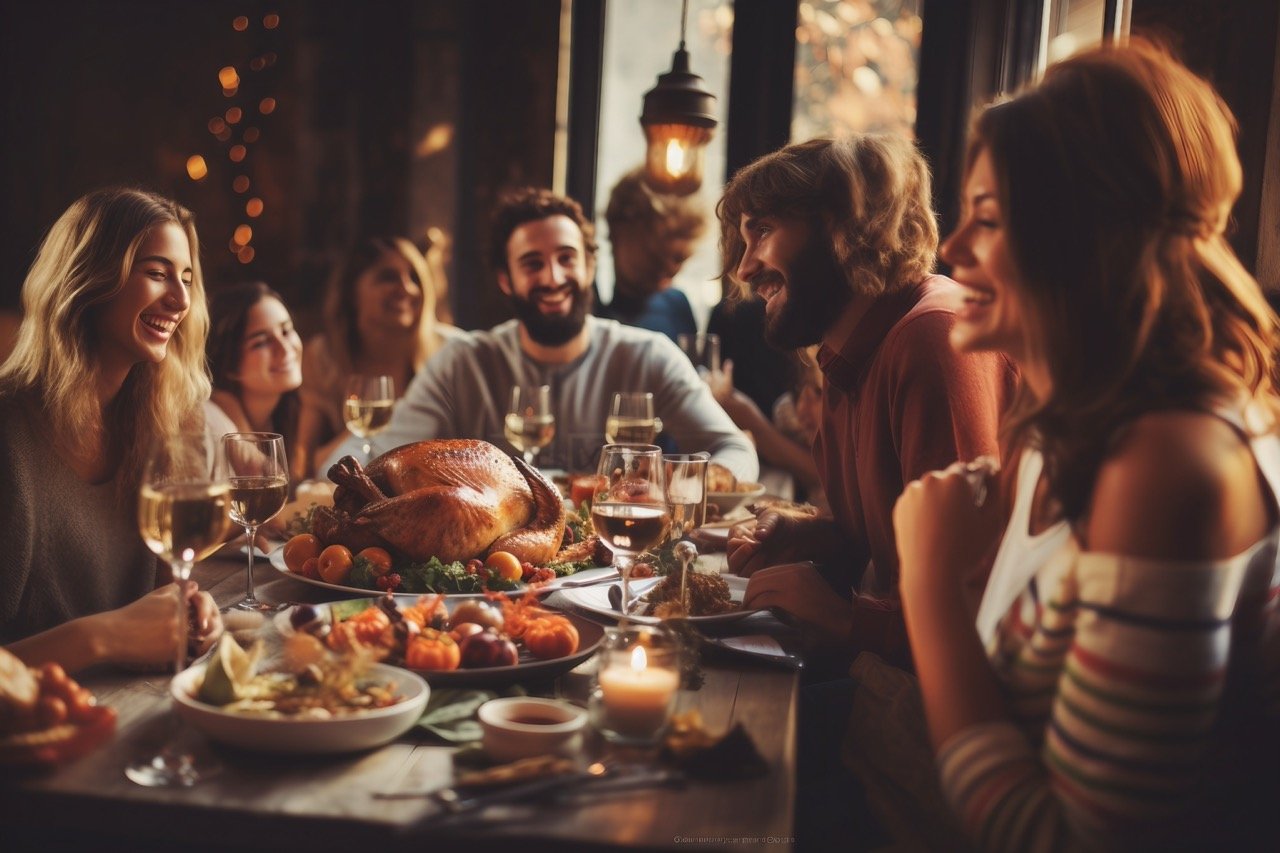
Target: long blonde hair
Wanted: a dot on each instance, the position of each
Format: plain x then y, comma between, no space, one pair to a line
82,265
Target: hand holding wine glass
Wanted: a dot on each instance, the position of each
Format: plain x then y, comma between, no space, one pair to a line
530,424
629,509
367,406
183,517
631,419
259,488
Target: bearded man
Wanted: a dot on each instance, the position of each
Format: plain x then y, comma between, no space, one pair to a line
839,238
543,250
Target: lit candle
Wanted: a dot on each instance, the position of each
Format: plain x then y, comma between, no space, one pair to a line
637,697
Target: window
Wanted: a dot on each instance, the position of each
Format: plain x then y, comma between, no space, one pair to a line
640,36
856,63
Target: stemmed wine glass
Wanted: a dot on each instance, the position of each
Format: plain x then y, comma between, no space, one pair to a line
631,419
367,406
182,515
529,424
259,488
703,350
629,508
687,496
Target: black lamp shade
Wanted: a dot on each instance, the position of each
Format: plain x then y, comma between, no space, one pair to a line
678,120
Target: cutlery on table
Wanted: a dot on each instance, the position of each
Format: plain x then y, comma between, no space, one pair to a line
590,582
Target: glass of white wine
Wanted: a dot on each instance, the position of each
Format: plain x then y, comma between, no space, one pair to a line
183,517
529,424
367,406
629,508
631,419
259,488
687,496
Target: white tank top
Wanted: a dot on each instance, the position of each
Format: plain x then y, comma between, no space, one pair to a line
1022,557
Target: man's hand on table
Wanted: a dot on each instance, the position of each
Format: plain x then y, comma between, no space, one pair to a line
775,537
824,618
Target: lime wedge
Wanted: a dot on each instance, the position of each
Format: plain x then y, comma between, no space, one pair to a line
228,673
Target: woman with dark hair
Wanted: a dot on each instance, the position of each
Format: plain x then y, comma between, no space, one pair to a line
109,358
1120,688
255,360
379,316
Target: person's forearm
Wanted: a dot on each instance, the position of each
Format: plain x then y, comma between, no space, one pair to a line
956,681
75,645
774,447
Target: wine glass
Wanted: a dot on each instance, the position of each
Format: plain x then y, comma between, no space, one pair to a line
259,488
183,517
687,496
367,406
703,350
629,509
529,424
631,419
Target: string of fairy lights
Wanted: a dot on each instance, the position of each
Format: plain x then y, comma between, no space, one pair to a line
236,130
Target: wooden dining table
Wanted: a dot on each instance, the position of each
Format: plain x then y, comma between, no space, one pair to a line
309,803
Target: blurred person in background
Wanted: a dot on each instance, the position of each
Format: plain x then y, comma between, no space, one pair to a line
652,234
379,317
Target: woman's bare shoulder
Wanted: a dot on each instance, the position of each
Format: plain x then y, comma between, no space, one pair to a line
1178,485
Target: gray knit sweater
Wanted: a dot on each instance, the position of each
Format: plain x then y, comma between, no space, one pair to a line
67,548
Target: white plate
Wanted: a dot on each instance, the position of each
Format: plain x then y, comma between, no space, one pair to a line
595,599
276,558
362,730
727,502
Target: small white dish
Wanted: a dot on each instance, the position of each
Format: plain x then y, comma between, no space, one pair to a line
522,726
362,730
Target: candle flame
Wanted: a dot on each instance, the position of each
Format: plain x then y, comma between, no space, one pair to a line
638,660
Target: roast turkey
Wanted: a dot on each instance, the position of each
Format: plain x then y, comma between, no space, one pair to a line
453,499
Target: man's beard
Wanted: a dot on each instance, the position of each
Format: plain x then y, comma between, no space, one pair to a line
553,330
816,294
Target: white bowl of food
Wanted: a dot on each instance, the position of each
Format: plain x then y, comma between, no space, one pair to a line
727,502
523,726
299,733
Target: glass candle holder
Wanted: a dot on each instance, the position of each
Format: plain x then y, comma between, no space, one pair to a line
636,684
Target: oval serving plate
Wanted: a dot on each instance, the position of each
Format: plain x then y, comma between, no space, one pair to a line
595,599
529,668
276,558
358,731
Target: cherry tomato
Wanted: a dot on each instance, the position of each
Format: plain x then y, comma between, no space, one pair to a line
551,637
311,568
335,564
299,549
505,565
378,558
